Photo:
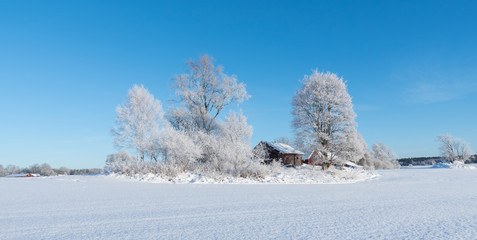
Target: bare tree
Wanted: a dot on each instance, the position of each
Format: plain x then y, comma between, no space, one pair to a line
454,149
138,121
205,90
323,116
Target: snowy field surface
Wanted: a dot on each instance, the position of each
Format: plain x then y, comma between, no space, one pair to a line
415,203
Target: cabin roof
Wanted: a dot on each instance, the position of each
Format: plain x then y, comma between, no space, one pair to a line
284,148
351,164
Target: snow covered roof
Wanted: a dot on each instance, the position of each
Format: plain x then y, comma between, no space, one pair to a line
284,148
351,164
308,155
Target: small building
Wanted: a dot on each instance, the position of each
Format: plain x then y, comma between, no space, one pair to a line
308,158
314,158
279,152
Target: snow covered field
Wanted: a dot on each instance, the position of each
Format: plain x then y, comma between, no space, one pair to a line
416,203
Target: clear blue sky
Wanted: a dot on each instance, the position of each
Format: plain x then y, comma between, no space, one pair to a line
411,67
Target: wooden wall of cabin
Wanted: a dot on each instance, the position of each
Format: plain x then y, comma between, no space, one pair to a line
294,159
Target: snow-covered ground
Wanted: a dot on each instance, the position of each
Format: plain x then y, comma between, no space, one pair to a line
305,174
415,203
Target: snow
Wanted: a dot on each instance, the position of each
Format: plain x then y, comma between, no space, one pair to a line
284,148
305,174
351,164
24,175
414,203
456,164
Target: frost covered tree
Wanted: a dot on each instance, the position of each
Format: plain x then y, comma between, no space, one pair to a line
380,157
35,168
236,129
12,169
454,149
205,90
138,121
352,147
46,170
178,148
121,156
384,157
382,151
2,171
236,135
323,116
181,119
63,171
225,150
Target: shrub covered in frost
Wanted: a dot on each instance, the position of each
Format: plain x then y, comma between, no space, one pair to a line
382,157
131,168
121,156
2,171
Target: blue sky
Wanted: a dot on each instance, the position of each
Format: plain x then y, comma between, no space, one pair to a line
411,67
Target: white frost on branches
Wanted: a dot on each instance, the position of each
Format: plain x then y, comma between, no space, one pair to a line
236,134
194,138
381,157
454,149
382,151
121,156
178,148
323,117
138,121
205,90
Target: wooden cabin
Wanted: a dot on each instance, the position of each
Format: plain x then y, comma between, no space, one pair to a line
279,152
314,158
318,159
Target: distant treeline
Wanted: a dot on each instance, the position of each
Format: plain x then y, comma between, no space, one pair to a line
46,170
428,160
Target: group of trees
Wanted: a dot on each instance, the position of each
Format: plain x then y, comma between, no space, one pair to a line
190,136
45,170
454,149
324,121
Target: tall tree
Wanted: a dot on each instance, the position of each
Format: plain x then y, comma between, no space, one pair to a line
138,121
323,115
454,149
205,90
235,139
